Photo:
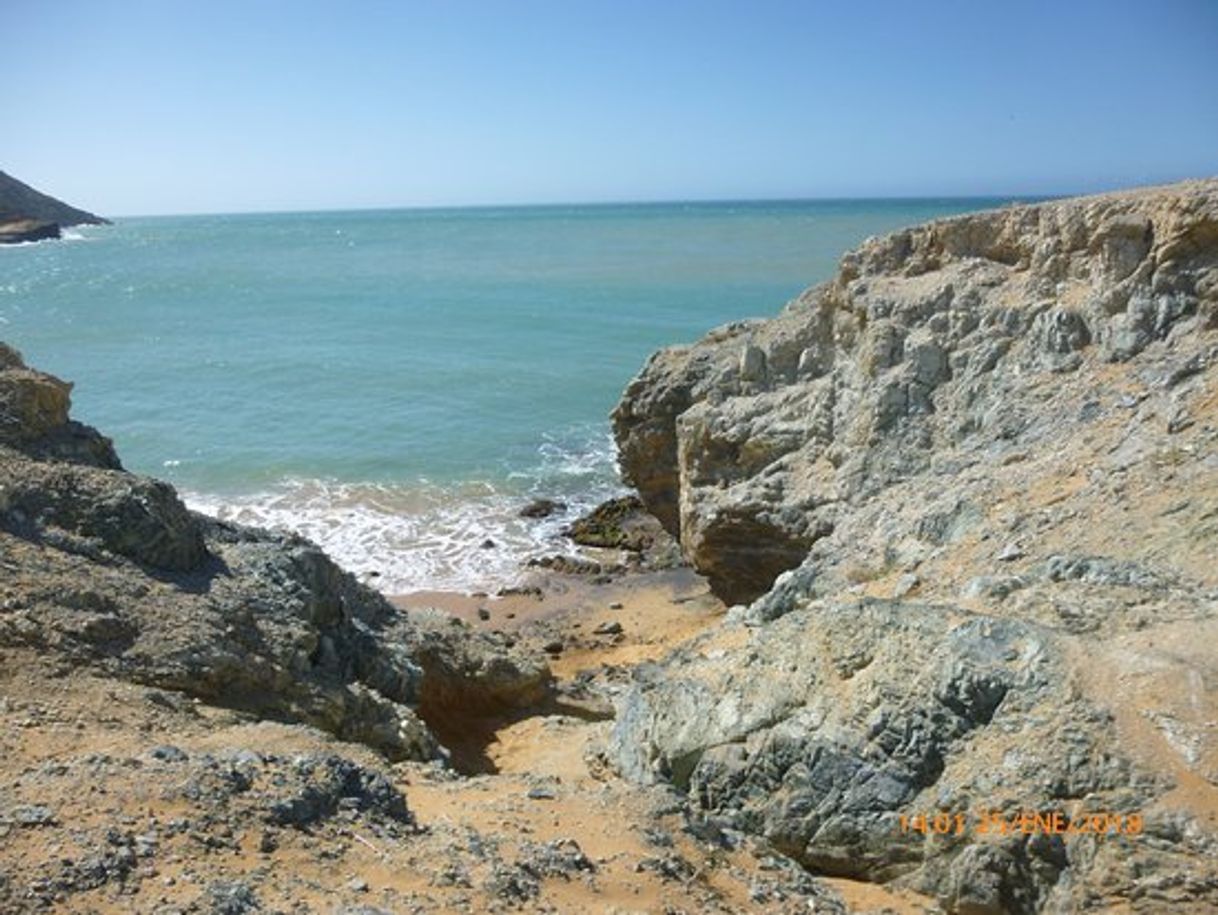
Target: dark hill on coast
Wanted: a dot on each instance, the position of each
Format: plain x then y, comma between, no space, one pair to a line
28,215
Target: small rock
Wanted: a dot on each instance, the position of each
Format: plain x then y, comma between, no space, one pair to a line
542,508
357,885
32,815
616,605
167,753
483,613
541,794
1010,553
610,628
554,646
905,585
487,544
1178,422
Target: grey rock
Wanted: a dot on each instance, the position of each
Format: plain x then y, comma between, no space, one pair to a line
835,718
1010,553
32,815
951,400
232,898
168,753
120,576
542,508
747,444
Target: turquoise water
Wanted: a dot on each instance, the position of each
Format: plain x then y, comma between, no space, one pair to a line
396,383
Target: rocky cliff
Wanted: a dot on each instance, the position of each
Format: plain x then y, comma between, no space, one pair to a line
19,201
968,491
108,570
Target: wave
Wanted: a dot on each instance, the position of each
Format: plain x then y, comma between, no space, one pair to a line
424,536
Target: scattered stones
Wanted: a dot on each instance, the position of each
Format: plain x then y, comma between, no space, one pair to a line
232,898
521,591
567,565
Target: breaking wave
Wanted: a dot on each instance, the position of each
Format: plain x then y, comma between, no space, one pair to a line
426,536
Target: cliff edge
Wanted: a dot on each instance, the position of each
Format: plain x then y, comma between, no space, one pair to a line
965,496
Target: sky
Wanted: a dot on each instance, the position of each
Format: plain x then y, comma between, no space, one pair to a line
129,108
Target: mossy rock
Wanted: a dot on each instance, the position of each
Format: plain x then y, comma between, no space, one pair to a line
620,523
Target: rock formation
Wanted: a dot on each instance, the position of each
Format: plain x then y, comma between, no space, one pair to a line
107,569
968,491
23,230
19,201
752,442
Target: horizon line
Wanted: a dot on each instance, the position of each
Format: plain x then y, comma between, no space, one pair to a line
692,201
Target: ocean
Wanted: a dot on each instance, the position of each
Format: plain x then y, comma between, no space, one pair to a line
397,384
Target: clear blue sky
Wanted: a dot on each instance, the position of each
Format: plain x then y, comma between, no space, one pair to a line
216,106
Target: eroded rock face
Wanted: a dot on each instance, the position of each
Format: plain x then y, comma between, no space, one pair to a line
110,569
840,718
986,456
750,443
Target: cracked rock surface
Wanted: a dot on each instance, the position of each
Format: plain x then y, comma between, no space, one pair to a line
965,496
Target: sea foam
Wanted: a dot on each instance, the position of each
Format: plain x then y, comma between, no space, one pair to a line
422,537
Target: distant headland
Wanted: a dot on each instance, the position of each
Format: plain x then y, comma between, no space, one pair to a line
30,215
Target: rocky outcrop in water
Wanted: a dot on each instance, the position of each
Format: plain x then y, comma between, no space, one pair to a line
109,570
25,230
968,491
20,203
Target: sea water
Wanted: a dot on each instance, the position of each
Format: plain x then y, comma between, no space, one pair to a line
396,384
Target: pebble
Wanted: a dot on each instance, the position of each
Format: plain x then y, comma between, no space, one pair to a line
1011,552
